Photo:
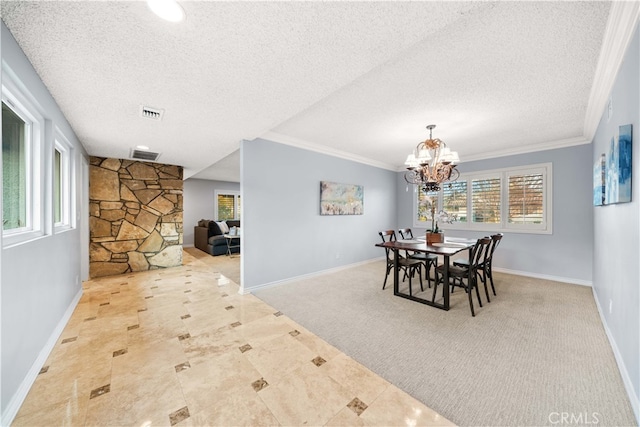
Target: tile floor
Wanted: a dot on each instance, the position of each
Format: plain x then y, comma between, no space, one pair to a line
181,347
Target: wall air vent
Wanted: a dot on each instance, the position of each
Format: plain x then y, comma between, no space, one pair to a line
144,155
151,113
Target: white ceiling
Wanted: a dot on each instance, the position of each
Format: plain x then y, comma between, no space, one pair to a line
359,79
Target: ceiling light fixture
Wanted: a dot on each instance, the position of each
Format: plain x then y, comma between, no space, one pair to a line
142,147
168,10
431,164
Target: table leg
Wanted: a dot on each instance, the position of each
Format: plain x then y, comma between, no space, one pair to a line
445,282
396,278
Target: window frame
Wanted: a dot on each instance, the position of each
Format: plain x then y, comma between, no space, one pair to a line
546,227
236,196
20,102
63,146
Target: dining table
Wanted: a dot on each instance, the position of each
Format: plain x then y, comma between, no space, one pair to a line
446,249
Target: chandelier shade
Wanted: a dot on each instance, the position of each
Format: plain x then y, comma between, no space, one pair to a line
431,164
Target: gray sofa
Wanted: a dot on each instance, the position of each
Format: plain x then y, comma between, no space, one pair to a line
209,238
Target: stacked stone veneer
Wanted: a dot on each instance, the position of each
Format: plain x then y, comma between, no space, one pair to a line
135,218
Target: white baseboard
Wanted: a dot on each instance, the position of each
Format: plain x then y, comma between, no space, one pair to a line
545,276
17,399
308,276
626,379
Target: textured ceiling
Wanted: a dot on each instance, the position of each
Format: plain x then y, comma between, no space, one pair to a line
358,78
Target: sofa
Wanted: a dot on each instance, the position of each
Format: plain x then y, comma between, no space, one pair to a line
208,236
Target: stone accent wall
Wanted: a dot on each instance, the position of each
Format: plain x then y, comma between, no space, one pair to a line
135,217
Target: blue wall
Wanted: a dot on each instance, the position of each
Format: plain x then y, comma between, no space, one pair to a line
616,270
40,278
284,235
565,255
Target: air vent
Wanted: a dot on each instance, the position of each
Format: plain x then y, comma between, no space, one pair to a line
144,155
151,113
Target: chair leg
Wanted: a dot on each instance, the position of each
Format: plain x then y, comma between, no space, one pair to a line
420,276
410,290
490,274
473,313
435,285
386,276
475,285
482,274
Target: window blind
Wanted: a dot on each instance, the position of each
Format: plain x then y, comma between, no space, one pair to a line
526,199
454,199
485,200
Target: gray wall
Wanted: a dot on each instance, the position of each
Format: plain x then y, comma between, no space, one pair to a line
284,235
616,275
198,202
564,255
39,279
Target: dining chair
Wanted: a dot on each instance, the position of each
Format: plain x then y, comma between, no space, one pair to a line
459,274
409,266
485,272
429,260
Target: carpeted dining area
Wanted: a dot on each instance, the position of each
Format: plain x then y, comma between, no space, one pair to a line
536,352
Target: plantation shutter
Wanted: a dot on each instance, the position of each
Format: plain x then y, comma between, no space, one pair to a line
454,199
226,206
526,199
485,200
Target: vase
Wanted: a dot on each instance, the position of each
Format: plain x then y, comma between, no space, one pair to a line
434,237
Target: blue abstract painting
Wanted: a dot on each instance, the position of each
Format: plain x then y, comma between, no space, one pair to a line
618,172
599,168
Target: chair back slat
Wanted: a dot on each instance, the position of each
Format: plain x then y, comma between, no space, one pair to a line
406,233
388,236
479,252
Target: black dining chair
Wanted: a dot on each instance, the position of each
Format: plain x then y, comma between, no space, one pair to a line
428,260
459,274
486,271
409,266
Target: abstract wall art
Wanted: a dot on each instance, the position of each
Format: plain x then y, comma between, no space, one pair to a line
599,181
341,199
618,168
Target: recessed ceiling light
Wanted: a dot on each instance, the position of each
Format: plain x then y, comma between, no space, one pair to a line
168,10
142,147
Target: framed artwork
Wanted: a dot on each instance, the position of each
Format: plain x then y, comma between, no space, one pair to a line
599,180
341,199
618,168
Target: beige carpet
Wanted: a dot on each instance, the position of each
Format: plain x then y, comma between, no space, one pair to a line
538,351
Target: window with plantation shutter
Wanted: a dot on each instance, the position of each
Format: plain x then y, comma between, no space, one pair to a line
425,201
454,199
526,199
509,199
227,205
485,200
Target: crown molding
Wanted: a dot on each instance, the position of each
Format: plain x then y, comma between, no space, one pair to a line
512,151
622,22
301,143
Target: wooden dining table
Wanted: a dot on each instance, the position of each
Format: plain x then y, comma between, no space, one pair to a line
445,249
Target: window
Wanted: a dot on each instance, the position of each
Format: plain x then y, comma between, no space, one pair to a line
21,165
62,191
227,205
454,199
512,199
425,202
15,133
526,199
485,200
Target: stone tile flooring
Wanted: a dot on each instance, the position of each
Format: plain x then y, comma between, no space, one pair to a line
181,347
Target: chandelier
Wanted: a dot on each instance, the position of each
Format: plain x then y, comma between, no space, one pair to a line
431,164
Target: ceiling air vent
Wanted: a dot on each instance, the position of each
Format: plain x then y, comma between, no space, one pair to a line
151,113
144,155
